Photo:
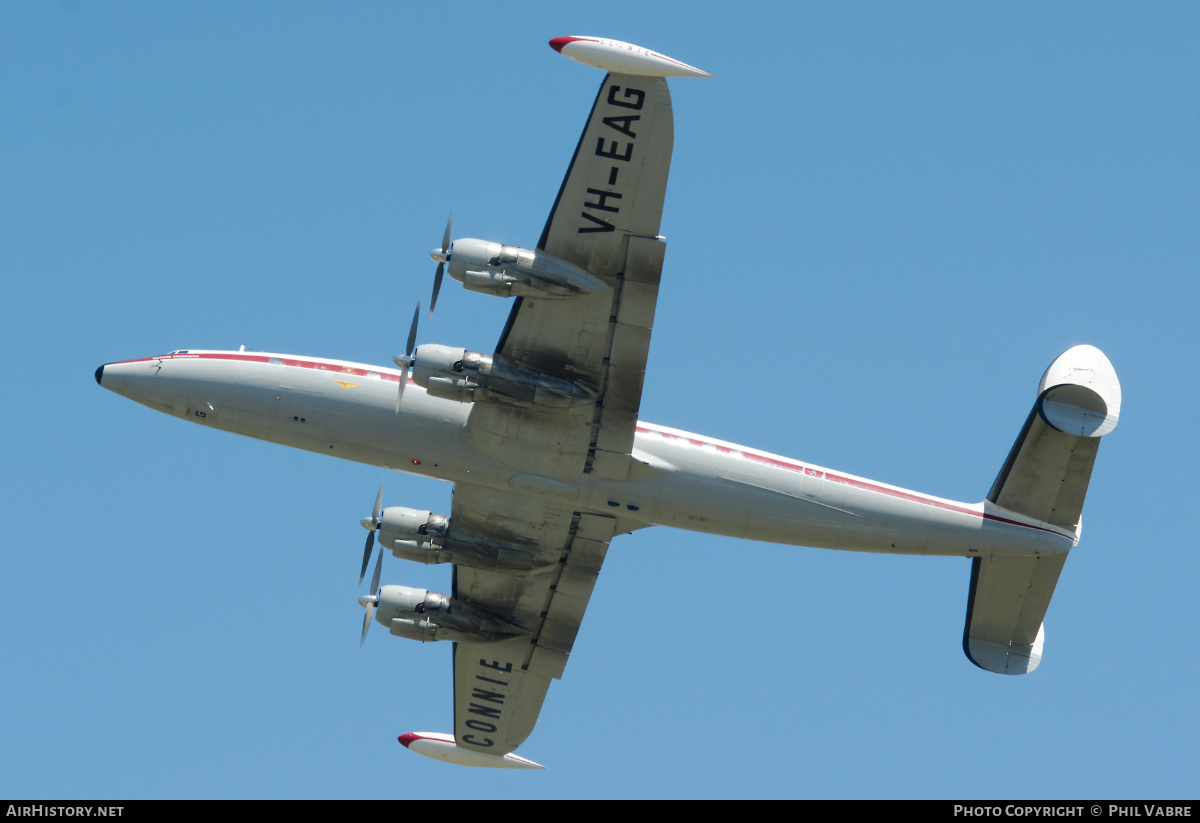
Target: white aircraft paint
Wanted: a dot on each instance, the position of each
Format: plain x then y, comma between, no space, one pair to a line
693,482
623,58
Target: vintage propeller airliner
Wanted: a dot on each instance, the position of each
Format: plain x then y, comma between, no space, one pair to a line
549,461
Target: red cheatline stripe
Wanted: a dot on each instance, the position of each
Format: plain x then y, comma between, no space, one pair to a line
787,465
867,485
319,365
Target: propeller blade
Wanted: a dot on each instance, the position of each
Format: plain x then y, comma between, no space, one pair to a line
406,362
375,512
437,286
366,556
367,623
412,331
375,577
371,526
373,600
437,277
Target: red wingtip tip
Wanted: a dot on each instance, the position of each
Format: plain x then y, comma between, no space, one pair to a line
406,739
558,42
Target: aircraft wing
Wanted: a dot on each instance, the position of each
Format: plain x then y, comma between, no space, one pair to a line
605,220
499,687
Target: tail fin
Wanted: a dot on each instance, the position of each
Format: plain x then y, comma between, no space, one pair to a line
1045,477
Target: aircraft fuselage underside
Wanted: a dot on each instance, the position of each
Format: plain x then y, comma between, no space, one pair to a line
684,480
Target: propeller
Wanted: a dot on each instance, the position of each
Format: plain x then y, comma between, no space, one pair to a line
442,256
371,600
371,525
405,361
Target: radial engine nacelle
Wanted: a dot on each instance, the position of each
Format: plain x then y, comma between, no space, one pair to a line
425,537
420,614
506,271
458,374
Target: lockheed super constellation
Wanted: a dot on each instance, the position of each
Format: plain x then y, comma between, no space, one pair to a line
549,460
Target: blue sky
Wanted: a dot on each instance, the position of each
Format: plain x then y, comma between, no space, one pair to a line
883,223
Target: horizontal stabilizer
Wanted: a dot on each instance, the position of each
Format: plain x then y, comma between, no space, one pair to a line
1009,597
1047,471
1045,477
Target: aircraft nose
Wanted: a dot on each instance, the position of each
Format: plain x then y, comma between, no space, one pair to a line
99,374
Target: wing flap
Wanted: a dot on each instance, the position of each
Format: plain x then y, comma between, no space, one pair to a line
638,300
635,297
617,430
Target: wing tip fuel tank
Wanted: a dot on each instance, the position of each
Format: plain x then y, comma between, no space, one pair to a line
439,746
622,58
